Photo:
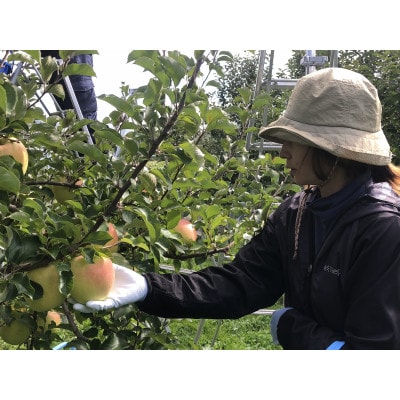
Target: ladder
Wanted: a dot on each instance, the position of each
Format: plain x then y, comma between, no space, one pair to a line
310,61
20,71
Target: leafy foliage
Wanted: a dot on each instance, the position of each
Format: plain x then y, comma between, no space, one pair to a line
148,168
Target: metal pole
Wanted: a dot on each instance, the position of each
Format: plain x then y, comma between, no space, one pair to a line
334,58
261,64
310,68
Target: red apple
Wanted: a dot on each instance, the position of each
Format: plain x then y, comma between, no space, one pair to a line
112,244
51,316
187,230
91,281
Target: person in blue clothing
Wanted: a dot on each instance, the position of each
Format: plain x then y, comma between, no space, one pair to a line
83,86
332,250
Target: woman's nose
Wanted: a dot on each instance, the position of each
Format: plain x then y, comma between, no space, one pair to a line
284,153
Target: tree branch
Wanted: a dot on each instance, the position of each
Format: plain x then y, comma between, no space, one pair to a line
207,253
164,134
72,323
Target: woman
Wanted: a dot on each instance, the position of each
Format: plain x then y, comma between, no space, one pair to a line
333,250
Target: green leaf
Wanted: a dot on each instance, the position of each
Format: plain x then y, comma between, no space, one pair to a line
57,89
111,135
35,54
120,104
173,218
136,54
194,152
212,211
146,63
9,181
198,54
174,69
37,205
246,94
3,99
152,225
213,83
98,237
48,67
21,248
262,100
22,284
35,113
148,180
78,69
11,95
89,150
217,221
222,124
113,342
7,291
152,92
21,217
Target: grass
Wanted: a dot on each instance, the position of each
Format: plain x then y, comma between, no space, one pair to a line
251,332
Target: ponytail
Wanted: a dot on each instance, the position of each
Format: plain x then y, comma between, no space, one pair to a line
388,173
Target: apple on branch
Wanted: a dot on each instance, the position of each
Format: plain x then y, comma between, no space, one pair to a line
49,279
16,149
112,244
17,331
186,229
52,320
91,281
64,193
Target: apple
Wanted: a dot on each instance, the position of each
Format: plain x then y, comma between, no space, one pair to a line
91,281
49,279
186,229
16,332
112,244
64,193
17,150
51,316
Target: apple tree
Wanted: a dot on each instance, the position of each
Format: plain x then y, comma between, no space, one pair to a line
146,170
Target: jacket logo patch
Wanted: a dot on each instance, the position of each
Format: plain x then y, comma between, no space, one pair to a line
332,270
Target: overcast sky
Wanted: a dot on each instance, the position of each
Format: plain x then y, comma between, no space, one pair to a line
112,70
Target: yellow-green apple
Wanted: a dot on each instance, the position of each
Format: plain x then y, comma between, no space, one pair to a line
16,332
64,193
49,279
91,281
17,150
186,230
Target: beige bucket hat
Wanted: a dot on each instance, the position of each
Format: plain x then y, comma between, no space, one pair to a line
336,110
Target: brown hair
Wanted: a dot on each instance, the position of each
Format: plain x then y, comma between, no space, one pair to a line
323,163
387,173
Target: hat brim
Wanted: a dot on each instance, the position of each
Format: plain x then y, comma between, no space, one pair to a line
343,142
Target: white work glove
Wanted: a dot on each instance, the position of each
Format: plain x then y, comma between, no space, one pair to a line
129,287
